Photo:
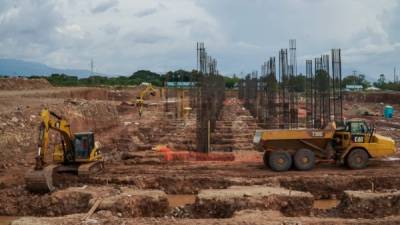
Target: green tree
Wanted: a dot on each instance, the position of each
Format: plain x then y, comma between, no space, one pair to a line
230,82
322,80
62,80
355,80
381,80
298,83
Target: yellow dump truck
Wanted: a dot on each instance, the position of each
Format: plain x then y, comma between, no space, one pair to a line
352,145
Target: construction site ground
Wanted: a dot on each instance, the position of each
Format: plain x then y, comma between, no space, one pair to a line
152,177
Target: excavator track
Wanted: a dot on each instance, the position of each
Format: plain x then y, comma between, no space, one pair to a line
41,181
87,169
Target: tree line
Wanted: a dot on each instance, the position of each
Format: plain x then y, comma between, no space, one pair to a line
381,83
298,82
135,79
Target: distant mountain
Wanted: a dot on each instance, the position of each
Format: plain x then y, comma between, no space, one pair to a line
15,67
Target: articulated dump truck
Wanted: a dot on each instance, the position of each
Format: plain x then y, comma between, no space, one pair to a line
352,145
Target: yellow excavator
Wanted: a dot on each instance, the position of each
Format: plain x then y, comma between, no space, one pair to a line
148,89
76,153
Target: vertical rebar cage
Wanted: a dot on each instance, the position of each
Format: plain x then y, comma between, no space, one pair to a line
209,98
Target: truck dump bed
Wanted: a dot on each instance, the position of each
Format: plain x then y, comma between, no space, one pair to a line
316,139
268,135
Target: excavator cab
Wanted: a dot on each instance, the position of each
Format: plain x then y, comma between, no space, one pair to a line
84,145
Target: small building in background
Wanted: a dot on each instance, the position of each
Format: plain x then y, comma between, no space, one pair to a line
354,88
181,84
372,89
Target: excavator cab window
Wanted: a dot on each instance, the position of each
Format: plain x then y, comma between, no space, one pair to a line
84,143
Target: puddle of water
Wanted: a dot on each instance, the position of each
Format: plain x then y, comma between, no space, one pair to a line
180,200
326,203
6,220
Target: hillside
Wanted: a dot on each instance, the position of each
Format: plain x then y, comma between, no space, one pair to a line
15,67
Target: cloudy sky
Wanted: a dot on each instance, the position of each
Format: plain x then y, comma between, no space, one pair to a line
123,36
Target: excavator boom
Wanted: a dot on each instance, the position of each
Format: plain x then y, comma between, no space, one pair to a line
60,125
149,89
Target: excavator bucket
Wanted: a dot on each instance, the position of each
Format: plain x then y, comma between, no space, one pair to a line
41,181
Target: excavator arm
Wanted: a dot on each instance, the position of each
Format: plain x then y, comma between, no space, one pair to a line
149,89
51,120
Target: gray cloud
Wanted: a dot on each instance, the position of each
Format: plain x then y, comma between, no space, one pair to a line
111,29
28,28
150,11
146,12
391,21
161,35
146,37
104,6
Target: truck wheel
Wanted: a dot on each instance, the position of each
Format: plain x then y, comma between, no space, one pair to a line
280,161
357,159
304,159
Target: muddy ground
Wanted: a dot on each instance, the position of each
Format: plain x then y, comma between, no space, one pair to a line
151,178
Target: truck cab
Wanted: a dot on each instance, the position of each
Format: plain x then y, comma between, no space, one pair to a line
358,139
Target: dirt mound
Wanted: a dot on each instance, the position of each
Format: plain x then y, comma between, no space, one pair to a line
23,84
84,115
137,203
18,201
366,204
224,203
125,202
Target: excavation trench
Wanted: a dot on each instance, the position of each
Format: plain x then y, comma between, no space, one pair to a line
209,203
328,187
322,187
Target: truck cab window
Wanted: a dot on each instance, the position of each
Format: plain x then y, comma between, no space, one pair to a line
358,128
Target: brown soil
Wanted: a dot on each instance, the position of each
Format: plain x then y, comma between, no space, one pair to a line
140,179
356,204
181,200
224,203
245,217
325,203
23,84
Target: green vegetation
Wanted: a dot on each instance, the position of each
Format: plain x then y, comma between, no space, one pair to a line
297,82
382,84
230,82
355,80
135,79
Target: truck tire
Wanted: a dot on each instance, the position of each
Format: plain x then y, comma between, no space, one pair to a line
304,159
280,161
357,159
